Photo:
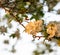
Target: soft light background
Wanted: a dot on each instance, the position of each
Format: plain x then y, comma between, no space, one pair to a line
25,45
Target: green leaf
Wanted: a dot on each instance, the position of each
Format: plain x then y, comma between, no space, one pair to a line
12,35
34,17
36,52
41,13
24,15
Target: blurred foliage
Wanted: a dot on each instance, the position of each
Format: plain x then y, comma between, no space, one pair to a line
58,11
16,34
44,31
17,7
38,52
51,4
57,40
3,29
13,49
33,7
6,41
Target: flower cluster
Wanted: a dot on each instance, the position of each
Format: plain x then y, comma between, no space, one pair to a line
34,27
52,28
